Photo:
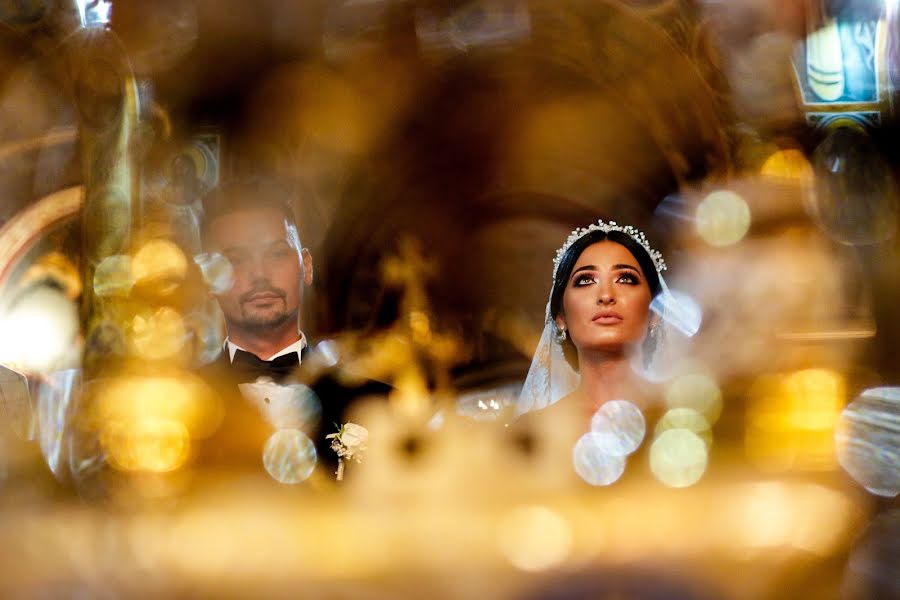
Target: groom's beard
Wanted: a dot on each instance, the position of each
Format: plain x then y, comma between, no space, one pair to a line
271,316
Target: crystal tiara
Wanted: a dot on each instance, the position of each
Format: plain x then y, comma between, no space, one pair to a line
607,226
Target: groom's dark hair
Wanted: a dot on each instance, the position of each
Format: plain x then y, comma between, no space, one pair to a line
235,195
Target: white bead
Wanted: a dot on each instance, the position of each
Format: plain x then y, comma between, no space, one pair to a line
635,234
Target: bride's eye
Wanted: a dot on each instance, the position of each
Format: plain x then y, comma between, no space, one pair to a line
628,278
583,280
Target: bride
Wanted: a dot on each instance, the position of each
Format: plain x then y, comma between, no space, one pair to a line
603,320
603,341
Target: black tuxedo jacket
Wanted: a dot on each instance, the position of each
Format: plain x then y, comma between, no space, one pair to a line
238,443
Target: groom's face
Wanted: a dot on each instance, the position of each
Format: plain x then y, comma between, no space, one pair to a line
270,268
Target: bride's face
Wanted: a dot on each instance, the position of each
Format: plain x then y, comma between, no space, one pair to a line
606,303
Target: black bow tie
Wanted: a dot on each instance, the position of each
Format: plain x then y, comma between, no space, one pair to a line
251,366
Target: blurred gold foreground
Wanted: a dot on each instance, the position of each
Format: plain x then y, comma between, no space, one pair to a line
437,154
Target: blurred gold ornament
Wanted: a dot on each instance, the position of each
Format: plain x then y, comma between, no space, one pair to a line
445,348
420,327
411,352
409,270
113,276
535,538
159,264
410,396
159,334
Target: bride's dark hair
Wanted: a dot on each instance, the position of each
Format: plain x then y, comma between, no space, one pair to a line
567,263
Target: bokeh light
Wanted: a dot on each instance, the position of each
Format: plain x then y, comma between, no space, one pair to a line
868,440
218,273
302,410
680,317
618,428
789,165
292,406
697,391
723,218
488,129
678,310
767,516
289,456
159,264
593,464
855,197
771,514
147,444
207,336
147,423
816,396
39,331
113,276
159,334
57,392
183,398
685,418
535,538
678,458
327,352
791,419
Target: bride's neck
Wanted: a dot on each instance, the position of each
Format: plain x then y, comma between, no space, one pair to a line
603,376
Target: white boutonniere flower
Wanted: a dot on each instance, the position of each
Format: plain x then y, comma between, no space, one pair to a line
349,443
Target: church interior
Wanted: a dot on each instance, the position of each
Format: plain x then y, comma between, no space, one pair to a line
436,153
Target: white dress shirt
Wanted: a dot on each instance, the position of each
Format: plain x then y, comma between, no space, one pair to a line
297,347
283,406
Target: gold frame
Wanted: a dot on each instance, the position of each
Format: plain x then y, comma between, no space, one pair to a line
24,230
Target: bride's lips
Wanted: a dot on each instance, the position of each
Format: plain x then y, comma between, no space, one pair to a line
607,317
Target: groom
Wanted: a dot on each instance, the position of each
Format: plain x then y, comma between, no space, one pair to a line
252,224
